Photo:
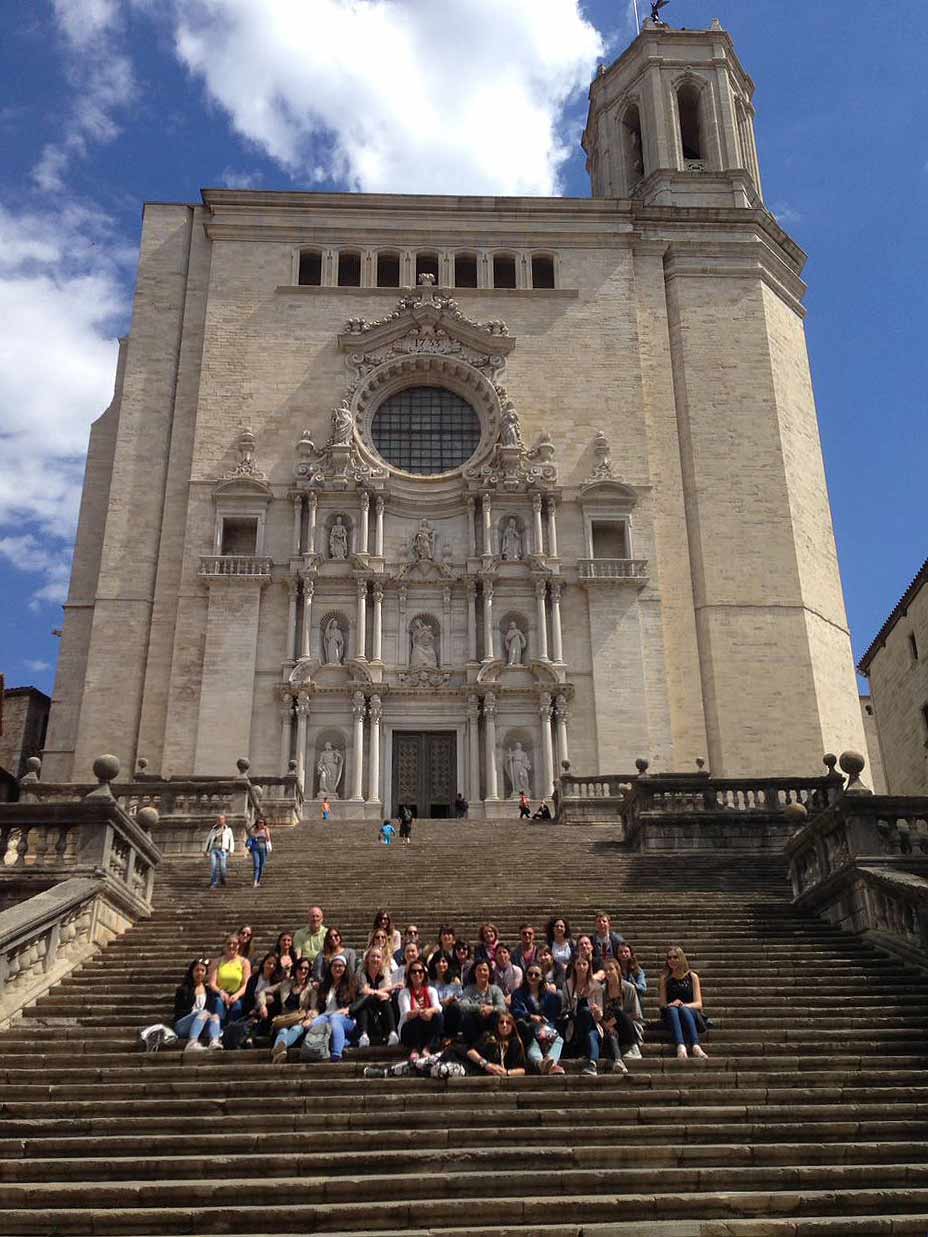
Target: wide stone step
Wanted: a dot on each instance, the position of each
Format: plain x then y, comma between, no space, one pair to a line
135,1209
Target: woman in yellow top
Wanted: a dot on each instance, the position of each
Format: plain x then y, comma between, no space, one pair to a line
227,980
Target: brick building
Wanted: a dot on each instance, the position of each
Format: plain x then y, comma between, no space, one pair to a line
432,493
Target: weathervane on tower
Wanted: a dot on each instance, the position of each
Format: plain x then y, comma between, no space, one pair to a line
656,6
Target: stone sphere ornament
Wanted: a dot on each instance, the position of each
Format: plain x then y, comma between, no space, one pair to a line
243,766
641,765
852,763
796,811
106,768
147,817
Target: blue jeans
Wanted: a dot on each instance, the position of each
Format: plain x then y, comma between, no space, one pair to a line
219,867
191,1025
259,859
554,1050
290,1035
681,1022
228,1013
342,1026
585,1040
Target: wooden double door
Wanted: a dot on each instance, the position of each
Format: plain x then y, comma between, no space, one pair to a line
425,771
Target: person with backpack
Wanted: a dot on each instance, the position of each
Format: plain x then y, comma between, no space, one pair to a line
220,844
333,1004
406,816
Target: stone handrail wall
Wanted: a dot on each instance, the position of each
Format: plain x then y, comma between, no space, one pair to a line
243,566
612,568
599,786
862,864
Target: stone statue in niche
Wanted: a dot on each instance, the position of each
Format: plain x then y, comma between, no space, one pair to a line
511,547
342,425
334,641
330,767
422,652
519,769
338,539
515,642
423,543
510,434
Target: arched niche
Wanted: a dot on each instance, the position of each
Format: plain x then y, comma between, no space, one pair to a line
422,647
522,625
509,760
337,738
334,520
327,642
506,521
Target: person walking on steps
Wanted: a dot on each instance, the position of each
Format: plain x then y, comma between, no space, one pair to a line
681,1003
461,807
387,833
220,844
525,808
260,846
326,809
406,816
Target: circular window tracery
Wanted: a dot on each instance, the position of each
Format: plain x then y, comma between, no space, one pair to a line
426,430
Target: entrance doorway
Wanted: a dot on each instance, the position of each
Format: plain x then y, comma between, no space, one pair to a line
425,771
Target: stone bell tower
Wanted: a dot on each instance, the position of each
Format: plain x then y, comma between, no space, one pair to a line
671,123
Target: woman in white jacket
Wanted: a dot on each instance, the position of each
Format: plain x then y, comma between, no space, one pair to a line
421,1023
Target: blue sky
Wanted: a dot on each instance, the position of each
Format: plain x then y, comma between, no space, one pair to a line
109,103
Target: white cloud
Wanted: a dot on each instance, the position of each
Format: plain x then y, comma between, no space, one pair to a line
395,95
102,80
234,179
785,214
37,665
61,301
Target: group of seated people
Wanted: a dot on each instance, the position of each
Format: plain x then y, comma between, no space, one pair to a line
491,1009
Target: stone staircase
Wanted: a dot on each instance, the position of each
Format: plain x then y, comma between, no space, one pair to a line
810,1117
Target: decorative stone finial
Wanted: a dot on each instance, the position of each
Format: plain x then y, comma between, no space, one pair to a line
292,766
243,766
641,765
829,761
106,769
796,811
147,817
33,769
700,763
602,470
852,764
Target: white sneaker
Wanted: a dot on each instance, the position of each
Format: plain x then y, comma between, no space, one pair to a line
194,1045
699,1054
633,1053
392,1039
619,1067
681,1052
214,1043
364,1041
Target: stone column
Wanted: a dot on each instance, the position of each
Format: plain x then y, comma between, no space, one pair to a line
471,527
360,643
557,638
377,635
286,730
542,619
293,586
471,586
547,753
489,722
538,540
365,522
373,776
552,527
489,635
446,648
311,531
560,719
297,500
378,526
487,524
402,658
302,720
357,711
306,635
473,748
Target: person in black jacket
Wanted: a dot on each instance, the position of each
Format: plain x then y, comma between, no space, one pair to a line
192,1008
498,1051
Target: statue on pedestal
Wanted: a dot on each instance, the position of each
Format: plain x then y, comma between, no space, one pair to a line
338,539
334,642
511,546
519,770
330,767
422,652
515,643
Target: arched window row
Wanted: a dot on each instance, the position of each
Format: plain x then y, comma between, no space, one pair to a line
390,268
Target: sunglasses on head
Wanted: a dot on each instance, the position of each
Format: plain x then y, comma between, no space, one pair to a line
201,962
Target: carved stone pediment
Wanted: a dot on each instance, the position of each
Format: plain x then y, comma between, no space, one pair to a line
423,571
490,670
303,672
424,676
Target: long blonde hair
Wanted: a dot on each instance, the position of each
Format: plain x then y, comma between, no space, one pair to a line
668,969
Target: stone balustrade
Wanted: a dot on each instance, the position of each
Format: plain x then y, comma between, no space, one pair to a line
862,864
83,872
241,566
613,570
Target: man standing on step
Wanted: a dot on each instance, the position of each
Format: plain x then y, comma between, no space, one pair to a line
308,941
220,843
606,943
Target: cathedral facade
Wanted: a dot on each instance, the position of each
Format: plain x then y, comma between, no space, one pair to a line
432,494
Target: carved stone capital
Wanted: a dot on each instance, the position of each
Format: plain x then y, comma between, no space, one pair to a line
556,592
358,704
379,504
361,586
376,710
378,594
544,709
536,503
302,705
365,500
489,704
473,707
540,587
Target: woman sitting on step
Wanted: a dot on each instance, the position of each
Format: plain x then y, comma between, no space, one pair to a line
373,1008
285,953
480,1003
228,980
265,975
464,960
246,934
449,989
487,940
378,940
421,1022
632,969
506,976
536,1010
394,940
331,947
623,1021
681,1003
191,1008
554,974
585,949
499,1050
295,996
333,1003
560,941
581,1014
446,939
